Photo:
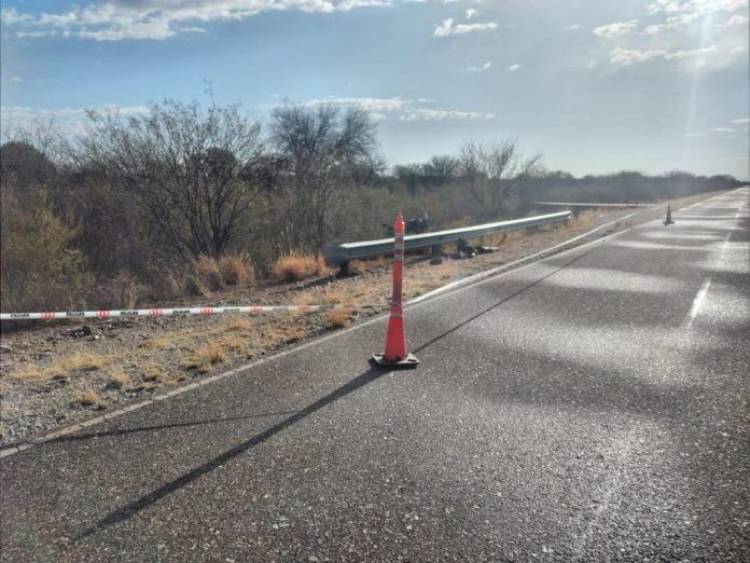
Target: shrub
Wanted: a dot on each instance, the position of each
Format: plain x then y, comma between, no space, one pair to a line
207,275
338,317
236,269
39,268
295,267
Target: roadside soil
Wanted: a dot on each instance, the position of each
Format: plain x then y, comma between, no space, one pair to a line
55,375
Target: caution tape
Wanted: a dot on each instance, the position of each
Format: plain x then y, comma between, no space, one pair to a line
162,312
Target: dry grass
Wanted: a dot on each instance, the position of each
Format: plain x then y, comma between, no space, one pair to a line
207,356
205,278
233,343
378,264
236,269
119,379
151,373
85,398
162,342
239,324
68,365
339,317
272,336
296,267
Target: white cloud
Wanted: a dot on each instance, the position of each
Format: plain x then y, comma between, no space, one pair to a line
444,115
681,15
16,80
629,57
447,28
369,104
514,67
572,27
668,6
159,19
741,121
724,129
591,65
9,16
70,121
615,29
403,109
481,68
685,54
470,13
737,20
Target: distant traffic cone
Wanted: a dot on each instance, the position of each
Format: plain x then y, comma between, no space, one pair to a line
396,354
668,220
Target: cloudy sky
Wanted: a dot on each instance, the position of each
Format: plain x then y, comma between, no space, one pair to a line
595,86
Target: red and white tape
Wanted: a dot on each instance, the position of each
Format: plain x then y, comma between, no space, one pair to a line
161,312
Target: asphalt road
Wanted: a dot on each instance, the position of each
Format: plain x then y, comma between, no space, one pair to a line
593,406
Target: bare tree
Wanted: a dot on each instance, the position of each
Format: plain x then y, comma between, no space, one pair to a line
493,174
189,167
322,148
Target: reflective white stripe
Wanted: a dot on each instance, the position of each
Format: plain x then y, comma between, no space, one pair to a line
159,312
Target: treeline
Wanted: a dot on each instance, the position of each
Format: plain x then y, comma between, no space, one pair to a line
186,200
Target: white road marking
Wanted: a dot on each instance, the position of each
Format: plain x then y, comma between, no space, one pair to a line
700,297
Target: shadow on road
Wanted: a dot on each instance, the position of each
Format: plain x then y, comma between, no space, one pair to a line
130,510
125,431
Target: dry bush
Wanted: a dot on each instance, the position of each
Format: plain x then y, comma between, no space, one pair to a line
207,356
76,362
233,343
120,292
358,267
295,267
338,317
168,285
39,268
236,269
85,398
151,373
118,379
195,287
207,273
163,341
239,324
285,334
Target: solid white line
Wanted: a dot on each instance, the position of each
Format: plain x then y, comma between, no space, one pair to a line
700,297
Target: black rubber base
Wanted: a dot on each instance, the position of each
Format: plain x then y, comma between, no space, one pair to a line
667,223
409,362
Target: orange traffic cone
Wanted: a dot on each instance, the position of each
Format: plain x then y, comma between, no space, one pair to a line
668,220
396,354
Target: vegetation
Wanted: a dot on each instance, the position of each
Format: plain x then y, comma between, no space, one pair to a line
191,200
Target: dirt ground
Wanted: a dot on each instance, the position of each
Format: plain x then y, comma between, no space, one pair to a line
54,375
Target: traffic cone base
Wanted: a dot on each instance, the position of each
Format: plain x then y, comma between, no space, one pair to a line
410,361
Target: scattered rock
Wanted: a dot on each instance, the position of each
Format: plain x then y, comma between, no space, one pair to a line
80,332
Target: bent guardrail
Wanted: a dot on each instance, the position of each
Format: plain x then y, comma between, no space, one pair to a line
341,254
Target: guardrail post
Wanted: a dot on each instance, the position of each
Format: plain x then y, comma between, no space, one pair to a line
436,251
344,271
396,354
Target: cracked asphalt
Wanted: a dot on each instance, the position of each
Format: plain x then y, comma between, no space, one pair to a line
593,406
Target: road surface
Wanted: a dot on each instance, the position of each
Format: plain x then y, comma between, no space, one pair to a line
594,406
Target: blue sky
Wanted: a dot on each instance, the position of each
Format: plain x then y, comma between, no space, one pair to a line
595,86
